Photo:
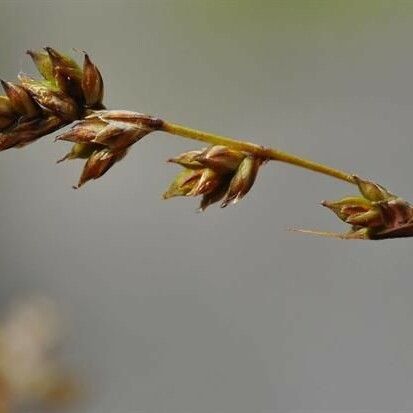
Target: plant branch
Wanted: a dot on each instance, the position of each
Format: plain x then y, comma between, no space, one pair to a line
257,150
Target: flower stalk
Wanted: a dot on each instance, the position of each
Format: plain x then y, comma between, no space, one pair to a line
257,150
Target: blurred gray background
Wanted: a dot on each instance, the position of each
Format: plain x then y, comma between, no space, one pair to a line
226,311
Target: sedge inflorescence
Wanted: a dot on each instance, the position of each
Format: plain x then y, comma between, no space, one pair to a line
224,172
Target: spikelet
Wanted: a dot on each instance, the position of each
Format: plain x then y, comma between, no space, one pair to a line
104,138
34,108
375,214
217,173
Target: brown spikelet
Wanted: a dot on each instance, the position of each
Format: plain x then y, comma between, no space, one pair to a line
217,173
104,138
99,163
34,108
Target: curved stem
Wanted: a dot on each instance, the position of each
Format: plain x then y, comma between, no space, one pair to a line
267,153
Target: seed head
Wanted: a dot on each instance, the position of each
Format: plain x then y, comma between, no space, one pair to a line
33,108
377,214
217,173
104,138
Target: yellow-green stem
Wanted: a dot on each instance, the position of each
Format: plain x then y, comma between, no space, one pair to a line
267,153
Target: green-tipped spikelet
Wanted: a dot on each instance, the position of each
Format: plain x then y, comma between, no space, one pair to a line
34,108
377,214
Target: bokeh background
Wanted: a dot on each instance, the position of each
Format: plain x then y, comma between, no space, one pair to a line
226,311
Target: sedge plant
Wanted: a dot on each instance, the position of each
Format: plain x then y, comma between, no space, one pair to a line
222,172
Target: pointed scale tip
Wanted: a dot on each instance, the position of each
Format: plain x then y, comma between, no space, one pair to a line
5,85
201,208
230,201
54,54
63,159
60,137
79,184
